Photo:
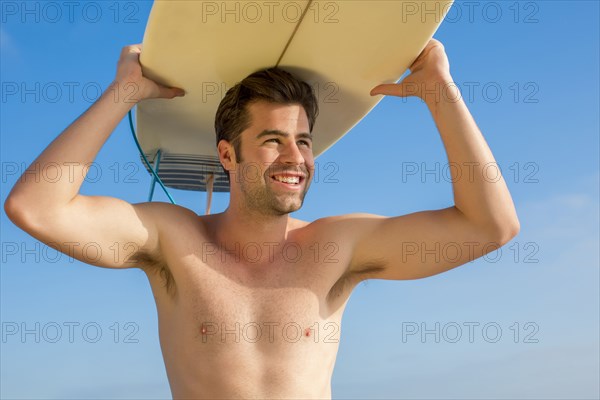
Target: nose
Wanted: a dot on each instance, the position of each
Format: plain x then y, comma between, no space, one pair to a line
291,154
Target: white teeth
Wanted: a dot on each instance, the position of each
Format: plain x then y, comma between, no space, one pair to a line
288,179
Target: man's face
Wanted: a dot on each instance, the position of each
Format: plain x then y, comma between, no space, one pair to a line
277,159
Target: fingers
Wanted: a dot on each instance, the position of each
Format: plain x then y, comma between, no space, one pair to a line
133,48
388,89
130,53
169,93
433,43
407,88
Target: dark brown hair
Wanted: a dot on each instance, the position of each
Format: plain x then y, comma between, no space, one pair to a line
273,85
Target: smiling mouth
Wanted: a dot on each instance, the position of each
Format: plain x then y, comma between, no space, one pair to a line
288,179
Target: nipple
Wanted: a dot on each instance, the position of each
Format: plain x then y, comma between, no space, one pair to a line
307,332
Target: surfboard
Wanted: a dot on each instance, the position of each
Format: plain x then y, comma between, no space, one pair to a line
341,48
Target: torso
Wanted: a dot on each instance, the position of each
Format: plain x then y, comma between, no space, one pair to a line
239,328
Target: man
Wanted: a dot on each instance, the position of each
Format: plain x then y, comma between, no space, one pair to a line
250,300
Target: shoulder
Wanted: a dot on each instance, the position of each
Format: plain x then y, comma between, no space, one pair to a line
160,209
347,225
345,220
167,216
173,222
164,220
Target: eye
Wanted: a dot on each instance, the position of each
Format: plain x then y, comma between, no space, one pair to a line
304,143
273,140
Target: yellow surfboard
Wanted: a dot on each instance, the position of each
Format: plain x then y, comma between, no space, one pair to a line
341,48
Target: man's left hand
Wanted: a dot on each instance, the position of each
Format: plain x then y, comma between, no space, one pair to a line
431,68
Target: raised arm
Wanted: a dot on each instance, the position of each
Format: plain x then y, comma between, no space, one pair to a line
483,217
98,230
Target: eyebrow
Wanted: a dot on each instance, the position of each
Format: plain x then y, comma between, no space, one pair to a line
277,132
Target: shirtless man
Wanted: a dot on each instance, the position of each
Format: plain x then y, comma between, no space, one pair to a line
250,300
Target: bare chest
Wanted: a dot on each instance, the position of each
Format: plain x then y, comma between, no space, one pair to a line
258,292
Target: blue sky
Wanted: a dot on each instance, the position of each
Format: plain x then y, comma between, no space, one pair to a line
541,291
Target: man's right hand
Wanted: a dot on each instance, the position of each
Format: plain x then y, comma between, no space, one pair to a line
134,84
54,212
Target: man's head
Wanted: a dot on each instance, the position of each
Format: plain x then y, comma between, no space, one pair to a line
272,85
263,127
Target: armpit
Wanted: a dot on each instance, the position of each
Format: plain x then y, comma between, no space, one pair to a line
351,278
151,265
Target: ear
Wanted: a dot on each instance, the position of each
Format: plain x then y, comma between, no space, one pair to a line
226,155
